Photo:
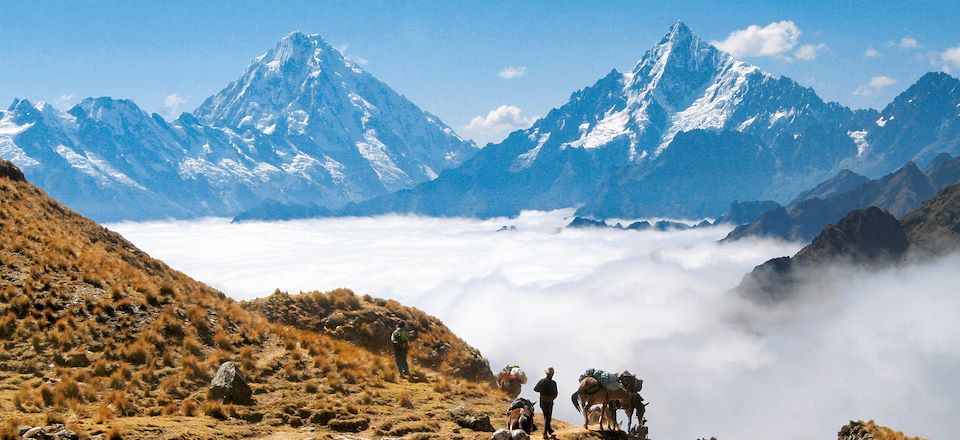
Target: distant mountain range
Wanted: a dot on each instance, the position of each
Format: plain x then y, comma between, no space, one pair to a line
306,132
898,192
686,132
870,237
302,124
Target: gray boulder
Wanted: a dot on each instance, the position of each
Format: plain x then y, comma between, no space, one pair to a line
229,386
464,416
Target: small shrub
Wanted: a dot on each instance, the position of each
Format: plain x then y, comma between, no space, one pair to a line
103,414
169,409
22,398
101,368
213,409
54,419
166,290
8,325
46,394
137,353
114,434
68,389
188,407
121,403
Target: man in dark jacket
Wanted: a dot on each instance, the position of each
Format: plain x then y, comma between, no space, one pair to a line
547,388
399,339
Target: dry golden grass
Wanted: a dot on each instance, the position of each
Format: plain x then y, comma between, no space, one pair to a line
96,333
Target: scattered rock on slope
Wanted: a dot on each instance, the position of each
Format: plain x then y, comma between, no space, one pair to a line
229,385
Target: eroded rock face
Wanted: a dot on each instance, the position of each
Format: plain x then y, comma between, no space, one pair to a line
229,385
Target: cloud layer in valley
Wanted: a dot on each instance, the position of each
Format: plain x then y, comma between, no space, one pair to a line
881,346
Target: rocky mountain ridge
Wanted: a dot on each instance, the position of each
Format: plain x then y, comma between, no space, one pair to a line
898,192
866,238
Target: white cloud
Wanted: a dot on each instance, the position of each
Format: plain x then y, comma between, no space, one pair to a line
496,124
172,103
512,72
881,81
657,303
65,101
908,43
808,52
355,58
952,56
773,40
871,53
876,83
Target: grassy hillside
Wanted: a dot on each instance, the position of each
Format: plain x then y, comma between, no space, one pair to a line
101,337
368,322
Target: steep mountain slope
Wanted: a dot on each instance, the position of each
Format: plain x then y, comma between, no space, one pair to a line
898,192
866,237
368,322
934,227
615,136
870,237
745,212
302,124
920,123
97,334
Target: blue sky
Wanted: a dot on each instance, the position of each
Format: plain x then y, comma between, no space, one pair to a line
452,58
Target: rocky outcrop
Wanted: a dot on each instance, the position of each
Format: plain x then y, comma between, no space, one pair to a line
230,386
10,171
584,222
466,417
860,430
368,322
53,432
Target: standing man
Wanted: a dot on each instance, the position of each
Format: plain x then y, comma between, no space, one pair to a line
399,339
547,388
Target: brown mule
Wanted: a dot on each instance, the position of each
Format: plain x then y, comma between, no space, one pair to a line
591,392
520,418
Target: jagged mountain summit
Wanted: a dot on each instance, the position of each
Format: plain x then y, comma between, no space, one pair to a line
302,124
687,131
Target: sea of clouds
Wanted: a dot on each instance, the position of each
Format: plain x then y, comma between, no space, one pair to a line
854,345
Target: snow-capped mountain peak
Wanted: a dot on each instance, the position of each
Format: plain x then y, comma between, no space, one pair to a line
302,124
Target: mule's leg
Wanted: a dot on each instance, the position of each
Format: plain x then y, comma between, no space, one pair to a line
604,415
586,412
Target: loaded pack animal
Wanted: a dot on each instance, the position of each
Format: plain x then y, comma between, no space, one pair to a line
520,416
626,395
511,380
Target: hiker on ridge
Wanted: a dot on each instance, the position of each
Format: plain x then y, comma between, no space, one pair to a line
399,339
547,387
